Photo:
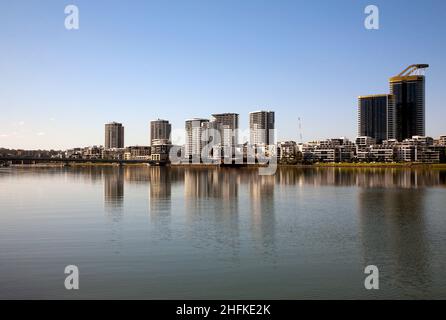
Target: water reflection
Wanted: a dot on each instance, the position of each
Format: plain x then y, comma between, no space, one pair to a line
113,188
302,233
261,191
212,208
160,181
160,190
392,227
391,212
362,177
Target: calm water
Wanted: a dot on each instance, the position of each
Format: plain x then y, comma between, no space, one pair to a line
183,233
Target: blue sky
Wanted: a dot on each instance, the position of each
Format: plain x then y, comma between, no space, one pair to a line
133,61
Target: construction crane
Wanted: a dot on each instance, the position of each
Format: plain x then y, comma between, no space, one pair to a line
414,68
300,130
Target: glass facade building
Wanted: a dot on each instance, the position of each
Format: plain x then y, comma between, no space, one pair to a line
409,106
374,116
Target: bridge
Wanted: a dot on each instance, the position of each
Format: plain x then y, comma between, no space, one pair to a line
4,161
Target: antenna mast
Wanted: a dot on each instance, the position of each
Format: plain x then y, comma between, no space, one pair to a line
300,129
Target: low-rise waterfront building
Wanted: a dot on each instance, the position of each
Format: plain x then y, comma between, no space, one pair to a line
380,153
324,155
160,152
287,150
75,153
113,154
137,153
365,141
405,152
94,152
442,140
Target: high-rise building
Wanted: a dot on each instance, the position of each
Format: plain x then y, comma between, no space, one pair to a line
408,90
261,127
114,135
373,116
227,125
160,131
195,131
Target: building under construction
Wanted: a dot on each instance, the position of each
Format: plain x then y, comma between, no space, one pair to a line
408,91
400,115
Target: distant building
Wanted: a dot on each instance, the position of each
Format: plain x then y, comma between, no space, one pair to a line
408,91
330,150
405,152
113,154
157,142
380,153
374,117
227,125
114,136
261,127
195,137
287,150
324,155
160,150
422,140
137,153
442,140
160,130
440,151
94,152
75,153
419,149
398,115
364,141
428,155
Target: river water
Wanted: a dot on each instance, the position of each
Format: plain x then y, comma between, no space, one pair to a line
209,233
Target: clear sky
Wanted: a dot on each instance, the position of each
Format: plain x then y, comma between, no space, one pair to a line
134,61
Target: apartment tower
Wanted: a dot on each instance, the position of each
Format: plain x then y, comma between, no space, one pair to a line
160,131
227,125
408,91
195,139
261,127
114,135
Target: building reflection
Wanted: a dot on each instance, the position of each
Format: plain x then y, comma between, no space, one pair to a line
114,190
401,178
160,189
212,208
393,234
113,178
391,221
263,224
362,177
210,183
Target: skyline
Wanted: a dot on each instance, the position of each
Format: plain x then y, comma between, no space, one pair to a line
135,63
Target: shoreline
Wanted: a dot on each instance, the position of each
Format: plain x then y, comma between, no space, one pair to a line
251,166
